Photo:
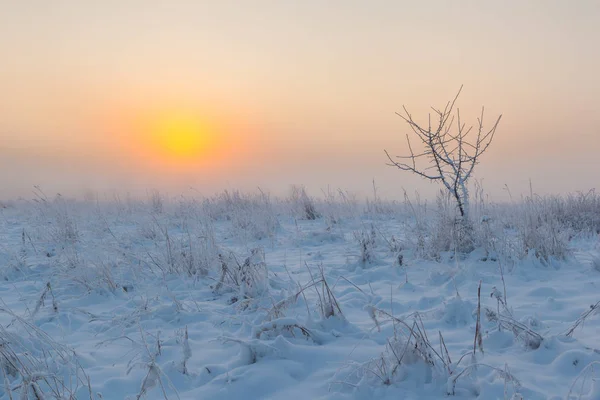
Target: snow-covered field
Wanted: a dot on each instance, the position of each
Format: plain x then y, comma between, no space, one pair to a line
247,297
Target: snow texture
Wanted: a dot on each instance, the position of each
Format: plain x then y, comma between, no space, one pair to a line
247,297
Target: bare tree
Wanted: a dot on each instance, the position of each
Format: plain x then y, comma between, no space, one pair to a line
449,152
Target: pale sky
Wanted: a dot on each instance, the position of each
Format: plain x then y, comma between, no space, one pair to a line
297,92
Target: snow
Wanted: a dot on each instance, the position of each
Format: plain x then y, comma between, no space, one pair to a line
239,298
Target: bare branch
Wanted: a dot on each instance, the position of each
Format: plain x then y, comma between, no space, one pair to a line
452,154
406,167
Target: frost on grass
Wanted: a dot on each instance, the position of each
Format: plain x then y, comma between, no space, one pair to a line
34,366
247,279
234,297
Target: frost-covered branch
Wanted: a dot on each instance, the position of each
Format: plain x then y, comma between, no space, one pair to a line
450,148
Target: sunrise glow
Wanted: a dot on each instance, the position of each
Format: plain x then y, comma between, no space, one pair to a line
109,95
182,137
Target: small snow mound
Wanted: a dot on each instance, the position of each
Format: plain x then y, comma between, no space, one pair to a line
408,287
437,278
457,312
499,340
573,362
543,291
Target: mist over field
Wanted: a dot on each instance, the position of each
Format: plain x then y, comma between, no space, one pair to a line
289,94
299,200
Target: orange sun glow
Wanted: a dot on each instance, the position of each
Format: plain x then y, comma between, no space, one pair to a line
178,139
182,137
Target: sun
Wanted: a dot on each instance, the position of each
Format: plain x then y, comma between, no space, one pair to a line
182,137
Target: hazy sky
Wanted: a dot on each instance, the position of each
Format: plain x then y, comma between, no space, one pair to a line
296,92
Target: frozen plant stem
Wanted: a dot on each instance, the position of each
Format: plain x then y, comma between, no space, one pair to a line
450,151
